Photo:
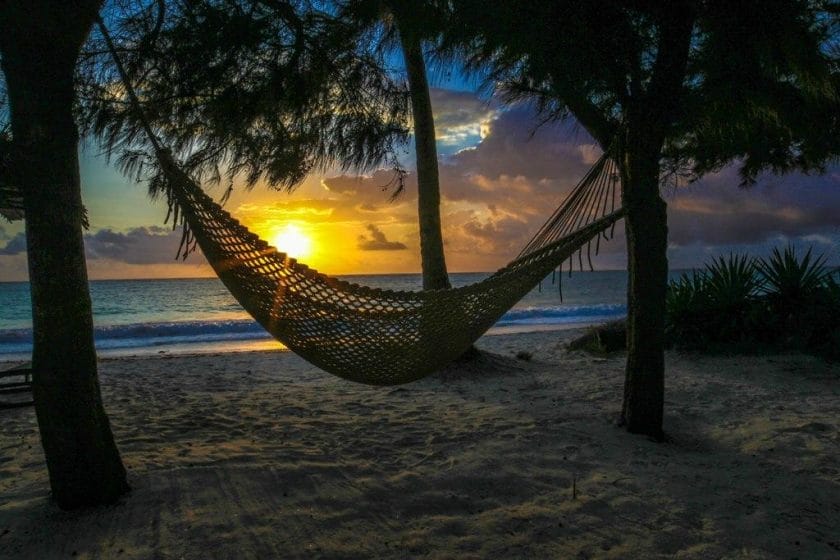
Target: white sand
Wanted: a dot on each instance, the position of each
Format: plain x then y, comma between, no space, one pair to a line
260,455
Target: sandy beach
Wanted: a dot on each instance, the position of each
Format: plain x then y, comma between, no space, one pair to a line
261,455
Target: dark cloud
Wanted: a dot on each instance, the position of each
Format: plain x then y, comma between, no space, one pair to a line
500,234
454,108
378,242
524,173
143,245
498,192
520,170
373,190
15,246
516,146
716,211
495,194
460,117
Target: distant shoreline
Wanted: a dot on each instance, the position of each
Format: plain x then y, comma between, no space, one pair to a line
836,268
175,316
264,345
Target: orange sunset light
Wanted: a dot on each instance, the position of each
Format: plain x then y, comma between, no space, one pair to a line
293,240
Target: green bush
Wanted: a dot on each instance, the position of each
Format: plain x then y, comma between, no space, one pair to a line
794,290
787,278
783,302
688,307
821,318
732,286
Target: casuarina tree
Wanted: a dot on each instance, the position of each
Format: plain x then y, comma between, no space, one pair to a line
317,82
246,89
684,83
40,42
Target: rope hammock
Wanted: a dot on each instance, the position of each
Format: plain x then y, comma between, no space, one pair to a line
368,335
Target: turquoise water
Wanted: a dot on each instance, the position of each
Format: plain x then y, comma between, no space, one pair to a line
196,315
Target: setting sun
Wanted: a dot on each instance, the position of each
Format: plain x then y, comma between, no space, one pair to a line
293,241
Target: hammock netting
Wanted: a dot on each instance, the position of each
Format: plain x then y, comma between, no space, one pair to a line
363,334
376,336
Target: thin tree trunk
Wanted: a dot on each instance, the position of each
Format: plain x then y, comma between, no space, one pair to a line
647,239
40,45
432,256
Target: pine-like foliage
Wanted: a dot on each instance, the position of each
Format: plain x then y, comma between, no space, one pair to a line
263,91
761,84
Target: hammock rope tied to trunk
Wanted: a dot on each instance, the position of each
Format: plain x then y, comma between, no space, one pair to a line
369,335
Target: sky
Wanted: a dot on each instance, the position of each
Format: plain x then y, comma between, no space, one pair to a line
501,178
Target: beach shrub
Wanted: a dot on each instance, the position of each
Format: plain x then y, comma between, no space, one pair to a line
722,301
790,280
712,306
795,293
820,318
687,304
784,302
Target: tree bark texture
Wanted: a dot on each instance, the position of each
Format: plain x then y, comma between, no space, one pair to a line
649,118
40,44
433,260
647,241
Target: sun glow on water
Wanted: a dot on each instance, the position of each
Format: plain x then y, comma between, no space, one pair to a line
293,241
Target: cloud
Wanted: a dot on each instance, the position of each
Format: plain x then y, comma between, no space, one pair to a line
525,174
497,193
372,190
144,252
461,118
514,145
494,196
142,245
485,233
343,199
502,176
15,246
378,242
717,211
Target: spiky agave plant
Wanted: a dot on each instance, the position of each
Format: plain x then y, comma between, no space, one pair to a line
732,281
798,297
732,286
790,280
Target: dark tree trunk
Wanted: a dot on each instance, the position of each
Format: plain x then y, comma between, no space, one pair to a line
432,256
40,44
647,240
649,118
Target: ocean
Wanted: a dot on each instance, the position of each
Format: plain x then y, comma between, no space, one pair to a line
199,315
